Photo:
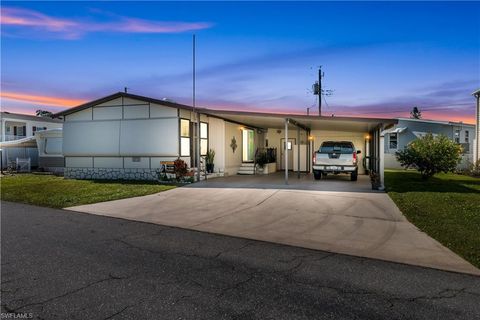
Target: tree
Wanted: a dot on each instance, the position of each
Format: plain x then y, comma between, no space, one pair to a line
44,113
431,155
416,113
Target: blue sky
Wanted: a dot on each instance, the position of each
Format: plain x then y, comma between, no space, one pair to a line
380,58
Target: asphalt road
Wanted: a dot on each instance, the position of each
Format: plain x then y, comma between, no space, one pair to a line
64,265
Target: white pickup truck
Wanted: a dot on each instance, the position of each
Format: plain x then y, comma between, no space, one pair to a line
335,157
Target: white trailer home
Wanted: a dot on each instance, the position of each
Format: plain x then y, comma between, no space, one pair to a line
126,136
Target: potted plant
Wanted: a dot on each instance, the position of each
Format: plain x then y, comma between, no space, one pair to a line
209,157
262,159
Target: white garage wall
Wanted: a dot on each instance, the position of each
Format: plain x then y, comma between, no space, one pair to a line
91,138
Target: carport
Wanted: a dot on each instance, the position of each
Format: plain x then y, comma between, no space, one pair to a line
308,132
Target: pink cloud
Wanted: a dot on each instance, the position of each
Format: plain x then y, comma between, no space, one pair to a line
73,29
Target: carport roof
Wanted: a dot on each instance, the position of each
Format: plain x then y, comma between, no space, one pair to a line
277,121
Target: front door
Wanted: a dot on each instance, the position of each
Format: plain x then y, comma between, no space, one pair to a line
248,145
291,142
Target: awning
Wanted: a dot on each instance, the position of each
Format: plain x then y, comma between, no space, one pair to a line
29,142
394,130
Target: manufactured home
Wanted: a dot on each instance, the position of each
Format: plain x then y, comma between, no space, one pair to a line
17,137
126,136
407,130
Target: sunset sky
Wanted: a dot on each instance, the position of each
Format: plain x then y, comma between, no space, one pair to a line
380,58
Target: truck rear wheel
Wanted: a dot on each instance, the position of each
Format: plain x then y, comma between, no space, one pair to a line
317,174
354,175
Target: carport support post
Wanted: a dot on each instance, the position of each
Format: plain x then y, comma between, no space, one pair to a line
298,152
381,169
286,151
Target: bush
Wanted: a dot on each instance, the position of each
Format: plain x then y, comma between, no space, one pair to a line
180,169
431,155
473,170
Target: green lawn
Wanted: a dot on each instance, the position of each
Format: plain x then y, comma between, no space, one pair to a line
447,207
57,192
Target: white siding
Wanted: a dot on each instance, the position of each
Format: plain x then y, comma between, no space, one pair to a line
158,111
233,160
184,114
107,113
216,137
108,162
135,112
99,138
143,163
114,102
129,101
80,115
153,137
79,162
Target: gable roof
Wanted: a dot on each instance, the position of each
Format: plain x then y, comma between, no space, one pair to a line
122,95
29,117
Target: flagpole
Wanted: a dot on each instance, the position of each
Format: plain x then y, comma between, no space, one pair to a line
197,129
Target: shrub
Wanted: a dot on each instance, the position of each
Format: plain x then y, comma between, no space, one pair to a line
473,169
431,155
180,168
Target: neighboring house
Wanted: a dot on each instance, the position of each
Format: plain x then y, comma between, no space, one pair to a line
50,154
126,136
14,126
407,130
476,94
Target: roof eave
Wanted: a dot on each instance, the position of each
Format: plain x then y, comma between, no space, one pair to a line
119,95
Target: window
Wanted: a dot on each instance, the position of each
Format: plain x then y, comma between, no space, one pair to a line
457,136
203,138
393,143
467,136
34,128
184,138
337,147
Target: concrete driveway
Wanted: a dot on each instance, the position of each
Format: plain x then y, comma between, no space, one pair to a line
334,215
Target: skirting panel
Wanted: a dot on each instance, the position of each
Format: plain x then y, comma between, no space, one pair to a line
110,174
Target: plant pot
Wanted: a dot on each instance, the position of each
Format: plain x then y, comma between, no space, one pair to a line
210,167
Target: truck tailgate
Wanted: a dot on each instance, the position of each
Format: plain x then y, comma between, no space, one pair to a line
330,159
